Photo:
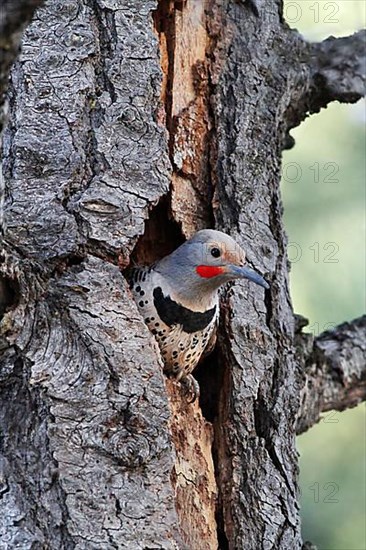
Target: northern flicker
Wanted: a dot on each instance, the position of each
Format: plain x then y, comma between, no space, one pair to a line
178,298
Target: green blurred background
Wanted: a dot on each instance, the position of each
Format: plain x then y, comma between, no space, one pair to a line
324,197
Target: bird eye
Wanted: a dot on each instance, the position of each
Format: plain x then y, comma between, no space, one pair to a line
215,252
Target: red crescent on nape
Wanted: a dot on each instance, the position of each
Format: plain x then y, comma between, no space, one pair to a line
208,271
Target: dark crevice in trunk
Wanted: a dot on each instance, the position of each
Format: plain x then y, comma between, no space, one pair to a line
221,535
63,264
222,464
107,39
210,377
162,235
9,294
269,306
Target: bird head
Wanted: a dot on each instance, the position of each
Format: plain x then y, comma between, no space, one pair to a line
205,262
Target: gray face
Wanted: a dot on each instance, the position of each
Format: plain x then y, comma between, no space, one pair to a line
210,248
205,262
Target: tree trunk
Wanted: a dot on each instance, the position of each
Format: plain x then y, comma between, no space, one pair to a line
132,125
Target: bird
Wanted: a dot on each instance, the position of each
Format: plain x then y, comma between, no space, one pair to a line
178,299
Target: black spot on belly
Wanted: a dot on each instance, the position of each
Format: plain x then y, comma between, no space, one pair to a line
173,313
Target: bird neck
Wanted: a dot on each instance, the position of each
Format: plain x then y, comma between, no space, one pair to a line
185,289
196,300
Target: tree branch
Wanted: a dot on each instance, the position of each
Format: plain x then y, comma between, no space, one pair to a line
334,69
337,70
334,370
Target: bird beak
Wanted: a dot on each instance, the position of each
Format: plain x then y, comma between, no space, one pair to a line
246,273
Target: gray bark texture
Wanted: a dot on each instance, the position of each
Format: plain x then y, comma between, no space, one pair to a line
14,15
132,124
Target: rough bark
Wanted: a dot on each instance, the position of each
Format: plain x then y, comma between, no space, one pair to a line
14,15
132,125
86,454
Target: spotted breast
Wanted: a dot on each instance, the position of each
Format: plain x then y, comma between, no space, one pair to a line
182,334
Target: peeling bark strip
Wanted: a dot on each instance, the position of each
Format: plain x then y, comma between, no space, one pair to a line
184,49
185,46
131,125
